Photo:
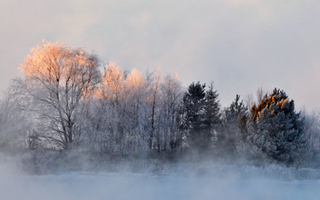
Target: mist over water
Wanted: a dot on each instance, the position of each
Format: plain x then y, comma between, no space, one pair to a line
148,179
147,186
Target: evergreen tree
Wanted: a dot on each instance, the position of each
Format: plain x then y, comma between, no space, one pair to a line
231,133
212,121
274,129
192,113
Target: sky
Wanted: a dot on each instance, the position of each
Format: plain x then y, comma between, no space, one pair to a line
239,44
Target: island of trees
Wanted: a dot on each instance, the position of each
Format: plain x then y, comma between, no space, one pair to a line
66,102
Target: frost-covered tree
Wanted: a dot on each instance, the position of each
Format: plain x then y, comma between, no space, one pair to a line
58,78
153,88
15,124
169,104
120,114
131,113
275,129
312,129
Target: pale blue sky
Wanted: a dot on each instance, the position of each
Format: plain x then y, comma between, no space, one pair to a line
240,44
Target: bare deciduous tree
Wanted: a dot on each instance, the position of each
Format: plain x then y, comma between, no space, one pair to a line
59,78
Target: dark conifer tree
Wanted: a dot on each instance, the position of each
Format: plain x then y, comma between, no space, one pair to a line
192,113
212,118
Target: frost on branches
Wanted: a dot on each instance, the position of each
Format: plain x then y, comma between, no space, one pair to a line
58,78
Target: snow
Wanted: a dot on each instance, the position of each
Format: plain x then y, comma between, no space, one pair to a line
80,185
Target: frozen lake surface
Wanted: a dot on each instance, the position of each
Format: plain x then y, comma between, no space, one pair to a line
80,185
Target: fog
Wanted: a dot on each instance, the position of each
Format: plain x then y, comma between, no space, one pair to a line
239,44
148,186
155,180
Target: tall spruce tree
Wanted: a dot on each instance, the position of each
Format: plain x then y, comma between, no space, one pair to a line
274,129
212,117
192,114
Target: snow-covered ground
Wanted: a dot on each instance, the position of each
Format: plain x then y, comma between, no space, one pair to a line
80,185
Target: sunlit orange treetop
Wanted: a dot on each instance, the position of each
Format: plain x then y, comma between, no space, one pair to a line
60,64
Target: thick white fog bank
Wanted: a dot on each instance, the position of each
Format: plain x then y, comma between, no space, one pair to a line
147,186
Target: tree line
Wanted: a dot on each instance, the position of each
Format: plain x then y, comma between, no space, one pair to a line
65,101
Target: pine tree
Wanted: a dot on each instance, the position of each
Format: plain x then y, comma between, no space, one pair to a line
274,129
